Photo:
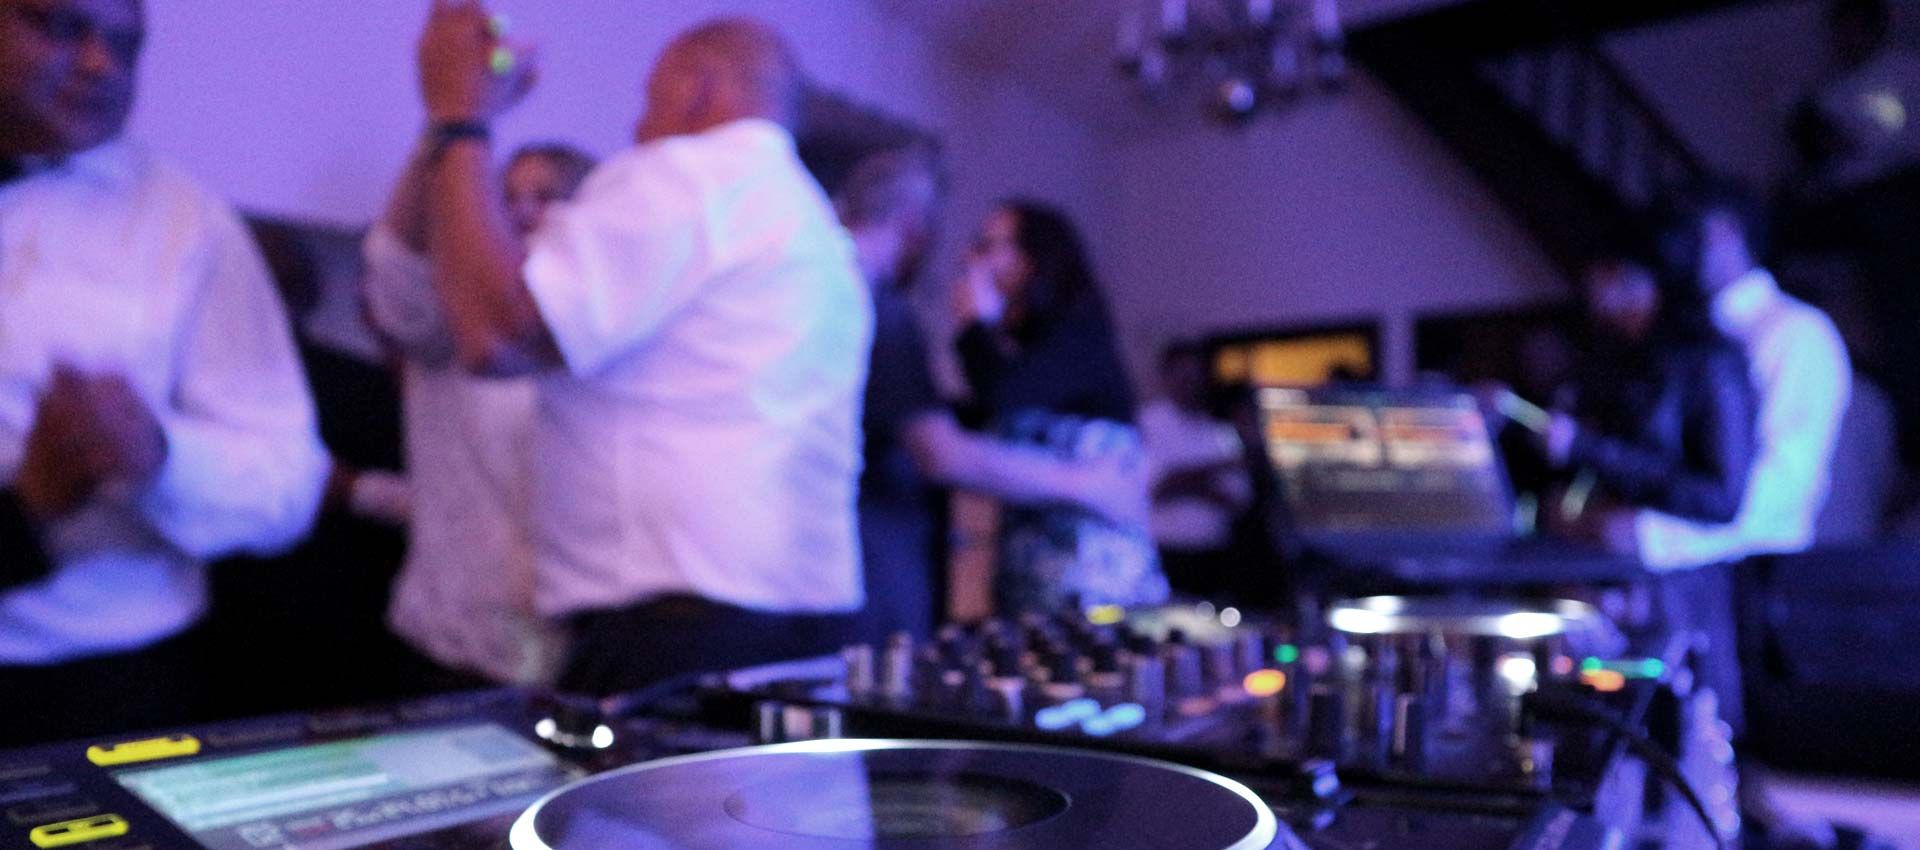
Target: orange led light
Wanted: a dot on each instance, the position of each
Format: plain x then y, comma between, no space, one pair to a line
1604,681
1265,683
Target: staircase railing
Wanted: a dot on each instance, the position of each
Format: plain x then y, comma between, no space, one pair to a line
1582,100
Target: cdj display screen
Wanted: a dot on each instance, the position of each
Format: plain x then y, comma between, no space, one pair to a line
347,794
1385,462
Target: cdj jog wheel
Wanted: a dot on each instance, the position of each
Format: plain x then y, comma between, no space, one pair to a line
901,795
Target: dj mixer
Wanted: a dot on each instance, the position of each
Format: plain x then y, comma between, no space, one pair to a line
1396,723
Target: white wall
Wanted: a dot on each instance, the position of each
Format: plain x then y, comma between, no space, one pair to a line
1340,209
308,109
1344,208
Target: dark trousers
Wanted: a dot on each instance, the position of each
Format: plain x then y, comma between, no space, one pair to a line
640,645
151,689
1701,602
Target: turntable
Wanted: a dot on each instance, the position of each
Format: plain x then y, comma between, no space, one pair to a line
894,795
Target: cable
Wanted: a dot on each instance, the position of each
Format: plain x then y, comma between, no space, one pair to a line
1656,758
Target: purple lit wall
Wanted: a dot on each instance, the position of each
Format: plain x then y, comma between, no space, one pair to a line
1344,208
308,109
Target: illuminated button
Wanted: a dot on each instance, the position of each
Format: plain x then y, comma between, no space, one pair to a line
78,831
1106,615
1265,683
151,749
1286,653
1127,715
1604,681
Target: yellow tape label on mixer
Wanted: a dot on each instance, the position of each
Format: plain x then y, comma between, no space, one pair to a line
151,749
80,831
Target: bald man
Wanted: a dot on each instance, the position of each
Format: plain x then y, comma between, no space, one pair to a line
700,332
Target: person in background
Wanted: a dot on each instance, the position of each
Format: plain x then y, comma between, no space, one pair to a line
1661,417
1038,350
700,334
914,444
1659,425
464,598
1199,477
1716,237
153,413
1801,374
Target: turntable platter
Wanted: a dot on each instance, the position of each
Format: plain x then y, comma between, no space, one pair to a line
894,795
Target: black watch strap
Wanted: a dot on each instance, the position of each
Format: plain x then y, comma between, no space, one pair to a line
442,134
23,556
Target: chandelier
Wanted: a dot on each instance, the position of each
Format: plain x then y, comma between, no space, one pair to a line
1246,55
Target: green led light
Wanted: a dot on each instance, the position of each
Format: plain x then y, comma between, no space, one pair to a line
1591,665
1652,668
503,61
1286,653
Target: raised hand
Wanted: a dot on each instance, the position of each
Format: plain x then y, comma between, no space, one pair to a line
467,71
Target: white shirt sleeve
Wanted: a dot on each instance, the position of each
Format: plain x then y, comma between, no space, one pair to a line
1805,400
400,299
245,468
608,270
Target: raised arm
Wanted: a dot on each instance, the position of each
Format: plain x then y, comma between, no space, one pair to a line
475,257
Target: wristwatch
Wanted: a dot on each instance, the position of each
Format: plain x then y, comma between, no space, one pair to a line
444,134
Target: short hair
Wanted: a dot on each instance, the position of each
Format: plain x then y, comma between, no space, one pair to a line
1687,210
890,184
755,51
573,163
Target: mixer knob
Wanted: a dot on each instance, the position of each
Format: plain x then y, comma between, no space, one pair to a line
1410,733
1327,736
1184,675
780,723
860,675
896,668
1146,684
1005,659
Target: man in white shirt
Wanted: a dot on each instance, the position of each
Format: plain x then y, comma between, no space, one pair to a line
464,598
700,333
1800,372
1802,376
153,415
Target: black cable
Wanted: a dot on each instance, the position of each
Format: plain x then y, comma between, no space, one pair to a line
1649,751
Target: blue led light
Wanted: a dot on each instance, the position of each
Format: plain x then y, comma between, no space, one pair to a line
1080,709
1098,727
1053,720
1127,715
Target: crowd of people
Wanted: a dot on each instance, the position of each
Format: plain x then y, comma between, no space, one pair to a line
667,413
673,411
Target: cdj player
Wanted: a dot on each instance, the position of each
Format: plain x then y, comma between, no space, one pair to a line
1167,729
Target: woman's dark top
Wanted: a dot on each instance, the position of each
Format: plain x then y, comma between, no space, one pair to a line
1070,366
1669,427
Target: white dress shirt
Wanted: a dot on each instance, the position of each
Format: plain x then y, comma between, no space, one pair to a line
465,595
113,262
1803,378
705,436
